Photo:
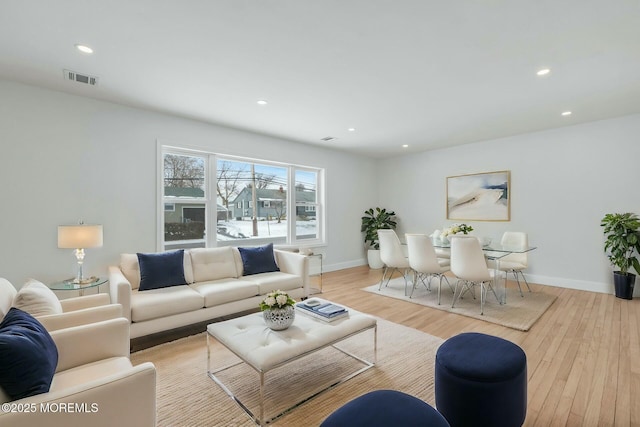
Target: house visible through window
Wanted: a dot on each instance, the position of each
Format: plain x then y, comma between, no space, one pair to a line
192,180
184,188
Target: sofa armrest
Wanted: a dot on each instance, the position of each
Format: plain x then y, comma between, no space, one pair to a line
294,263
79,303
89,343
120,290
127,398
53,322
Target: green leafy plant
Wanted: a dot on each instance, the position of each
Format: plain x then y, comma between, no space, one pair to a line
622,240
374,220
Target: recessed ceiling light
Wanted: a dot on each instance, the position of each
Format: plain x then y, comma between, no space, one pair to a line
405,145
351,129
262,102
543,71
84,49
566,113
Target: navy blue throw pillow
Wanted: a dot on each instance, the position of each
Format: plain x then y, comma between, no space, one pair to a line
161,270
258,260
28,355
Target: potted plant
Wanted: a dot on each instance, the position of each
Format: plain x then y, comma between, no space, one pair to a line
622,245
372,221
278,310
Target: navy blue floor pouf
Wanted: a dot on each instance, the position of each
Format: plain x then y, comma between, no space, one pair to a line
481,380
385,408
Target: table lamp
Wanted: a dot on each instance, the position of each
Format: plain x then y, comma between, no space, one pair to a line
79,237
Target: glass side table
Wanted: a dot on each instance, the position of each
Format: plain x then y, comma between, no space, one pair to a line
70,286
315,273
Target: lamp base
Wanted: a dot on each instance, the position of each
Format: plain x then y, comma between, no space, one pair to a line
84,281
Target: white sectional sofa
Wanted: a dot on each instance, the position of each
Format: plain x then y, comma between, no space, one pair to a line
215,286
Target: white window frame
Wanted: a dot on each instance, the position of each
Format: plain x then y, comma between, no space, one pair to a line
210,199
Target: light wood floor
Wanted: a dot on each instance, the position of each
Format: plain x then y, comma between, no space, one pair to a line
581,355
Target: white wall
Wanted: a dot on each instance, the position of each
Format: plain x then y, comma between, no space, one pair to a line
563,181
64,158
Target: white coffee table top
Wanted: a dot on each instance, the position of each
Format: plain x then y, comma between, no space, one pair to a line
257,345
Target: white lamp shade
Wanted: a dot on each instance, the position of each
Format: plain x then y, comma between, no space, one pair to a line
79,236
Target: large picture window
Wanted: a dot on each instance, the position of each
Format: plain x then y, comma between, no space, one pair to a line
245,201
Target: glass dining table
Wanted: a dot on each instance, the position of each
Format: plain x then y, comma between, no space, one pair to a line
494,252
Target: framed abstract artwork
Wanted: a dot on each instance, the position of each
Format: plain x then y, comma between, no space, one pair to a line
479,197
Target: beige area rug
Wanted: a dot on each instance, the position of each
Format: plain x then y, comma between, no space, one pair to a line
519,313
186,396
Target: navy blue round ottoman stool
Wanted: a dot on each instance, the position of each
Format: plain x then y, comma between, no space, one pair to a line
385,408
481,380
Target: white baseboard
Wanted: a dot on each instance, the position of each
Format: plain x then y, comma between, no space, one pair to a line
561,282
344,265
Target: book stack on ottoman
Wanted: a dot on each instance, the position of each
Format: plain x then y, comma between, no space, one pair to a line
323,310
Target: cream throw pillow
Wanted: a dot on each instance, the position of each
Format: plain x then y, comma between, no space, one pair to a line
7,295
37,299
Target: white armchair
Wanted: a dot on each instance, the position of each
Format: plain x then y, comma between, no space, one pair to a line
36,299
81,311
94,384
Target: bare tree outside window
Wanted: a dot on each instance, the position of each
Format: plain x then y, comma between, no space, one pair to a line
264,180
183,171
230,181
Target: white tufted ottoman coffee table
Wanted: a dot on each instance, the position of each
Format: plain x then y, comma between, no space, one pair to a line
264,350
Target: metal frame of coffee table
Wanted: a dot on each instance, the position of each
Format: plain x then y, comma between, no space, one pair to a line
259,420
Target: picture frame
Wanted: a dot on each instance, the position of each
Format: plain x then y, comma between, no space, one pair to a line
484,196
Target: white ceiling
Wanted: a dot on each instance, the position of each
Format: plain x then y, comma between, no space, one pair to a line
425,73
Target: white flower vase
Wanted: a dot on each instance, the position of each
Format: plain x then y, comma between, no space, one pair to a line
279,319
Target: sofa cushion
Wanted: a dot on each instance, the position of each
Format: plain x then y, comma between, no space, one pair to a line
37,299
28,355
131,269
147,305
212,264
268,282
225,290
258,260
161,270
7,294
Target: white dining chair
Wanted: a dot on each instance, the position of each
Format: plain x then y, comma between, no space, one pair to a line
515,262
468,264
392,256
425,263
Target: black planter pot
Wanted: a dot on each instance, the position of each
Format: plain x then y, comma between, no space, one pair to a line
624,284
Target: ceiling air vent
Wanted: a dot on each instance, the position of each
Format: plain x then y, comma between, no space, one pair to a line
327,138
80,78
